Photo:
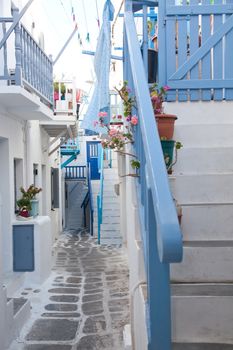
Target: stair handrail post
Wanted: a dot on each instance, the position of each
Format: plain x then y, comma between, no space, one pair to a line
101,189
18,48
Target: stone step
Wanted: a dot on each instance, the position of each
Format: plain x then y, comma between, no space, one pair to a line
203,188
110,226
205,261
202,313
207,222
204,160
111,241
211,135
201,113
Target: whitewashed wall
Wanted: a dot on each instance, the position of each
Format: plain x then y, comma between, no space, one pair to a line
26,141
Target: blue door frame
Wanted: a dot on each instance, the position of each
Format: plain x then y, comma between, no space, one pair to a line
92,159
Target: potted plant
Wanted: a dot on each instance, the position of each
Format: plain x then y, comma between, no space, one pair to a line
165,122
24,205
30,195
168,147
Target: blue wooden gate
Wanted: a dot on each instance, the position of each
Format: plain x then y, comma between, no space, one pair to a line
92,159
196,49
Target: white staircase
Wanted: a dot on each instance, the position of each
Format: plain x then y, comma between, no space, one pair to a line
74,213
202,183
110,228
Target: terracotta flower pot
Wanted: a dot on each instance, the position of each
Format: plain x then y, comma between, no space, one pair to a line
165,124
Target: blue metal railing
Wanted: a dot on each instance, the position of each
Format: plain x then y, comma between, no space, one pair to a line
100,195
161,235
33,68
84,205
71,144
90,198
75,172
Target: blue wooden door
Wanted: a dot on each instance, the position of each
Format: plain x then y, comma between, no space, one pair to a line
92,159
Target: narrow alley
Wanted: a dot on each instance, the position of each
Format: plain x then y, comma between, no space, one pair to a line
84,305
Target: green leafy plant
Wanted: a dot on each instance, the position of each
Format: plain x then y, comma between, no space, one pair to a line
157,95
24,204
135,164
31,192
62,87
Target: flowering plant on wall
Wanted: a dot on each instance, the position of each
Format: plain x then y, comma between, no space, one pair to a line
120,130
119,135
157,97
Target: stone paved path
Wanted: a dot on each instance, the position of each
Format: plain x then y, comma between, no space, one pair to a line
85,303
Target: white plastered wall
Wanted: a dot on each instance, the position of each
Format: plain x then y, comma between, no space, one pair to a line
26,141
130,225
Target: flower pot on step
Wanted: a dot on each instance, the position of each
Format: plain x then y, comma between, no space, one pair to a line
168,150
165,124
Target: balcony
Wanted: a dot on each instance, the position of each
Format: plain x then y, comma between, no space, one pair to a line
64,124
26,89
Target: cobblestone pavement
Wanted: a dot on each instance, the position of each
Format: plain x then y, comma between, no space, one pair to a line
85,303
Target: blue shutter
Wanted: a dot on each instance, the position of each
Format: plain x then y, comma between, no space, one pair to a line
23,248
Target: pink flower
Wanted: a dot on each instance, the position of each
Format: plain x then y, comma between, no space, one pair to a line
102,114
95,123
134,120
166,88
112,132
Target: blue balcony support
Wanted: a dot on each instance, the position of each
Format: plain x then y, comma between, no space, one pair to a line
68,161
161,235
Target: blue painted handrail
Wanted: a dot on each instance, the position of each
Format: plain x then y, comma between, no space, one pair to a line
90,198
161,235
84,206
100,194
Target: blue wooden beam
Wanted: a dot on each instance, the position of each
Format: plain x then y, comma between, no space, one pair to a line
69,160
6,19
151,15
199,10
92,53
201,84
15,23
65,45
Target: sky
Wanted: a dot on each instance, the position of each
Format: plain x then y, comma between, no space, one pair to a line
55,17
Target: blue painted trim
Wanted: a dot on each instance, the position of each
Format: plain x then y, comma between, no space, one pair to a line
69,160
136,15
100,194
198,10
198,84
